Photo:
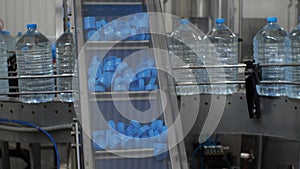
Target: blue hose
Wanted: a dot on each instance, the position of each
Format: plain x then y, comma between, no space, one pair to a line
41,130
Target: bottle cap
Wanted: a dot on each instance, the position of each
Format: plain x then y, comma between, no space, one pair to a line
143,130
98,25
152,81
5,32
19,33
109,66
31,26
89,22
184,21
220,20
105,79
131,130
68,24
111,124
120,127
272,19
150,87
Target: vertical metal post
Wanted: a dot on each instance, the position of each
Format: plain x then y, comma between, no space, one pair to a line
36,155
5,155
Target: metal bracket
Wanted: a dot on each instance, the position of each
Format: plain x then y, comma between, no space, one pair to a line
252,78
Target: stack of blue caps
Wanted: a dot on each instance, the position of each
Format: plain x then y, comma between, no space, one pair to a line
115,75
132,135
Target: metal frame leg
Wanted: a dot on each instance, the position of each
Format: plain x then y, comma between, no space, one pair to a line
4,147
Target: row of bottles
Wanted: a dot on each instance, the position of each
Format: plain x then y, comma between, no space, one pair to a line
34,58
274,45
188,48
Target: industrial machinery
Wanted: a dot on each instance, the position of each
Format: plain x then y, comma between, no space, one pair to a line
241,130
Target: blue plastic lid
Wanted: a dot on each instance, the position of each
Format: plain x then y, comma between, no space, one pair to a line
272,19
220,20
31,26
19,33
143,130
111,124
6,32
120,127
68,24
184,21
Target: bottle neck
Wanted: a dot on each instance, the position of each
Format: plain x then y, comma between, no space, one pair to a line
32,29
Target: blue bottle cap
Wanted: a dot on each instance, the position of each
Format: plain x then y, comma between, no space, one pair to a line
105,79
159,124
135,123
89,22
152,81
109,67
150,87
156,132
5,32
19,33
184,21
151,132
153,124
118,61
120,127
143,131
220,20
99,88
111,124
68,24
31,26
271,19
141,84
131,130
154,72
103,22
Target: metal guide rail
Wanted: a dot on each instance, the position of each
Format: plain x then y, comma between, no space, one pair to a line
252,78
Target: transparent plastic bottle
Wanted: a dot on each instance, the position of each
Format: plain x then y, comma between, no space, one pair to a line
9,40
225,43
4,87
293,73
184,46
18,36
34,58
66,64
271,45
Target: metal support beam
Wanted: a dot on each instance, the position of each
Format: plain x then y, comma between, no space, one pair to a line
5,155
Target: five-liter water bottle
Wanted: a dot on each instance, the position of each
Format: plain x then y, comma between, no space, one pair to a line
271,45
184,46
9,40
223,50
293,72
4,88
66,64
34,58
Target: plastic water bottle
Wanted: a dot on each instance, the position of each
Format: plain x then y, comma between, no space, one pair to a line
293,73
34,59
272,46
4,88
9,40
182,44
225,44
66,64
